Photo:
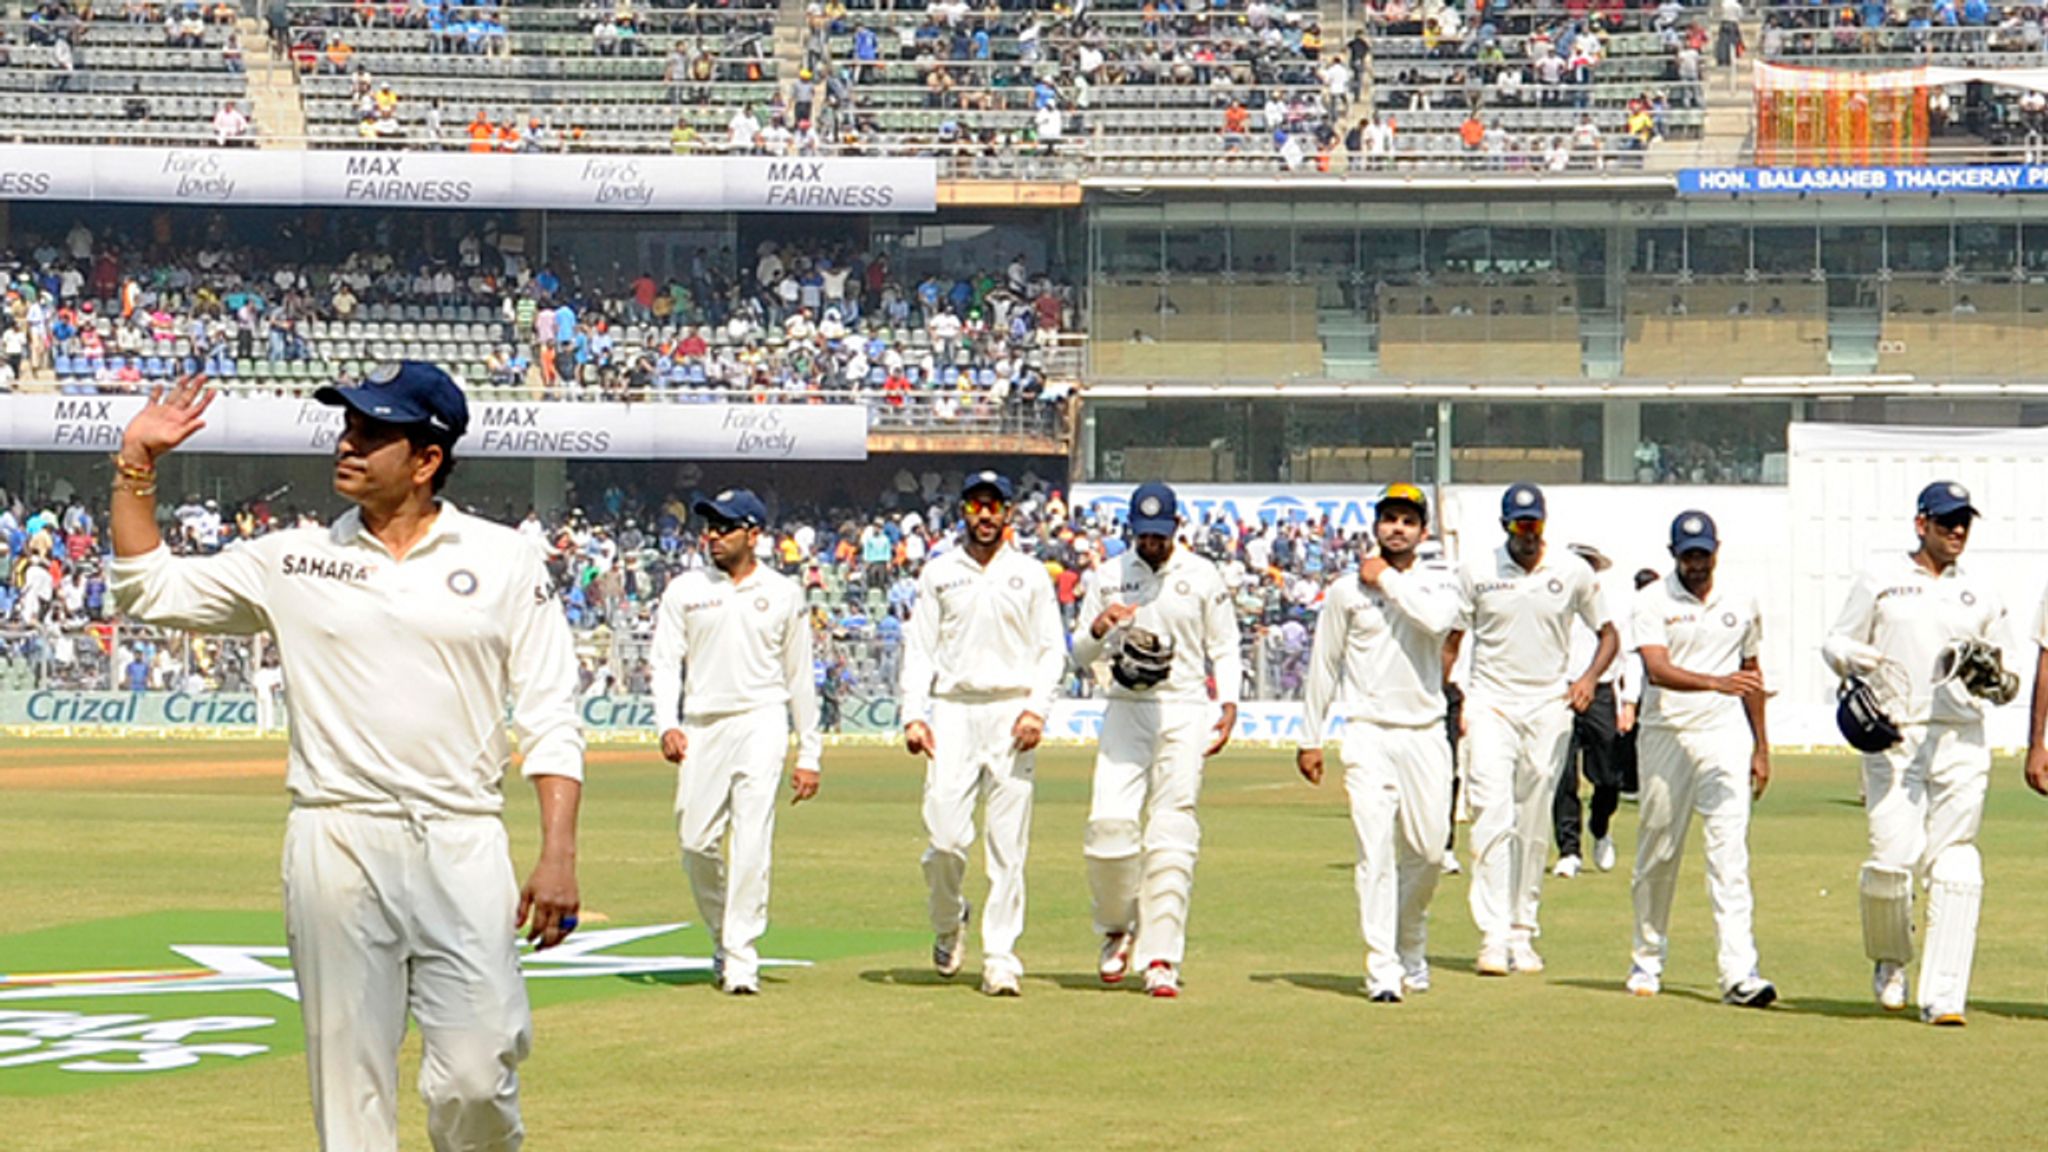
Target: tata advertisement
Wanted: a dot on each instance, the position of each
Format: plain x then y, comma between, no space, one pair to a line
1247,504
280,426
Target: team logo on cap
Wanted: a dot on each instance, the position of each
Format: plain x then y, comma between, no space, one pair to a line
1727,619
722,497
1149,506
1956,490
383,373
462,582
1693,526
1524,498
1556,585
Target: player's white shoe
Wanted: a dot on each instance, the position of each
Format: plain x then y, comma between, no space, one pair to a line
1753,992
949,951
1942,1019
1162,980
1522,957
1889,983
1567,867
1451,863
1415,977
1493,961
1001,983
1603,853
1115,962
1641,983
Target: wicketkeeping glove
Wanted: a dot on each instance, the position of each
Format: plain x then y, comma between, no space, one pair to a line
1142,660
1980,668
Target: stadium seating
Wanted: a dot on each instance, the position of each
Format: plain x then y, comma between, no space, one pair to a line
126,82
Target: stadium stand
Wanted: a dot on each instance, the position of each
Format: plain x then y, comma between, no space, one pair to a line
530,76
158,74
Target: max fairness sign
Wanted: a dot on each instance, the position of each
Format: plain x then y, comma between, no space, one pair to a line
576,181
1956,178
284,426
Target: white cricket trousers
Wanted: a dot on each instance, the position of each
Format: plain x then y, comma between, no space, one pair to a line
1926,795
385,915
976,757
1682,773
728,780
1149,768
1399,783
1516,756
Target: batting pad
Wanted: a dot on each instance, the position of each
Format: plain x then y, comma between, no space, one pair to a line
1954,898
1887,895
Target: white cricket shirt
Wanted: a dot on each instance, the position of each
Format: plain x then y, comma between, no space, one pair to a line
401,671
1185,601
1378,652
983,633
1908,616
1711,638
1519,623
746,645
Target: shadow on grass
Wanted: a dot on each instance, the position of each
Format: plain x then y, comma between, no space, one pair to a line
915,978
1350,987
671,979
926,978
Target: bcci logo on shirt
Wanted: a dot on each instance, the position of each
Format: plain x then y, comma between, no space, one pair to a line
1727,619
1556,586
1017,583
761,604
1969,599
462,582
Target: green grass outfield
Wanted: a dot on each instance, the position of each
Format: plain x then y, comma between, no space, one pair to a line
1272,1046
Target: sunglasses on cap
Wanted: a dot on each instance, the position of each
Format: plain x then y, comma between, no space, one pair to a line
1525,527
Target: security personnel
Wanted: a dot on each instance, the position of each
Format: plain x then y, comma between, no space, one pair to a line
407,631
1377,664
982,662
743,632
1600,735
1155,737
1519,603
1925,796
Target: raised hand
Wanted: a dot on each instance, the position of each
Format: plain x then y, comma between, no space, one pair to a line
169,419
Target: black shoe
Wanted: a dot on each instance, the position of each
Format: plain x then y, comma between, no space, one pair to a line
1386,997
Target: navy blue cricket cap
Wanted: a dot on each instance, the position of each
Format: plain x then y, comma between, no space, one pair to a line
405,392
1694,532
1521,502
1944,497
1155,510
734,506
987,478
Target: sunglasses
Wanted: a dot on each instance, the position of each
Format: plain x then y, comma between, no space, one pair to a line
984,507
1953,520
1525,527
723,527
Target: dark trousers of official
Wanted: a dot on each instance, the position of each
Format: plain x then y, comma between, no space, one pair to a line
1595,750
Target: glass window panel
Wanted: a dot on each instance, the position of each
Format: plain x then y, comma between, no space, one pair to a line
1737,443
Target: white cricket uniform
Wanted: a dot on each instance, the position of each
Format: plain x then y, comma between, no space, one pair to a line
1924,797
1518,624
1149,762
1694,755
1377,664
985,645
268,682
747,648
399,889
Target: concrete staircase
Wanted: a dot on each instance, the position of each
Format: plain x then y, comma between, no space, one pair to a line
275,108
1729,136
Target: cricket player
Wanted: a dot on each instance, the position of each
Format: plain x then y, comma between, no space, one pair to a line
1165,620
1703,749
743,634
1599,734
1518,605
1924,796
982,661
408,630
1377,664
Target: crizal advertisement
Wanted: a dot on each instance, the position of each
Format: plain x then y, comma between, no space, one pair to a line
274,426
593,181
